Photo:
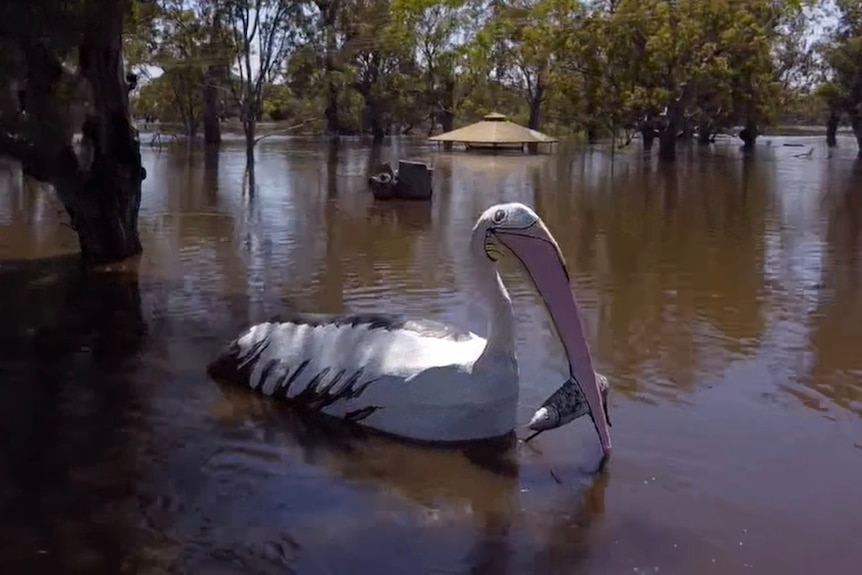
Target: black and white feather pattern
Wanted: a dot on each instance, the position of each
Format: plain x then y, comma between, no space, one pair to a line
333,363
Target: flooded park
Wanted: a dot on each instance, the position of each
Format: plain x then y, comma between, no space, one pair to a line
722,298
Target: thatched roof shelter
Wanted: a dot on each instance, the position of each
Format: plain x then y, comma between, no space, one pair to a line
494,131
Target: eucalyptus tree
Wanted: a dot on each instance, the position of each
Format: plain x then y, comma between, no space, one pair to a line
842,53
264,32
63,74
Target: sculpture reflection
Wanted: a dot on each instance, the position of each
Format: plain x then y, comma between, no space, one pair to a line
471,491
483,474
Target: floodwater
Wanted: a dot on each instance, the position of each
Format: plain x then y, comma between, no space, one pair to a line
722,299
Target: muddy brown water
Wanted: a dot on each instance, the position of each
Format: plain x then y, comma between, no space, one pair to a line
722,298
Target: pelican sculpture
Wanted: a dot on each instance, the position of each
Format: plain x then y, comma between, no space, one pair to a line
420,379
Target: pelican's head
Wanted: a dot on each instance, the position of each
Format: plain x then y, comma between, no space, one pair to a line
510,218
519,230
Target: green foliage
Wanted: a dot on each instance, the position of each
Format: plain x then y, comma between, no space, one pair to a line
842,55
277,100
182,40
569,65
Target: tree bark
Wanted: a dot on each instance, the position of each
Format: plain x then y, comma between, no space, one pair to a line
215,76
667,139
212,128
329,64
832,130
648,135
375,120
105,204
446,113
100,188
650,130
250,129
671,127
535,120
749,134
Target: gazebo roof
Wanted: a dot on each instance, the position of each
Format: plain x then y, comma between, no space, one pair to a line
494,128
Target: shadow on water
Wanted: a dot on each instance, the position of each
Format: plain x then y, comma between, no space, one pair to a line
67,430
365,455
469,492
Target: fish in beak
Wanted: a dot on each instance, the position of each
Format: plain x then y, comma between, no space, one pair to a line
541,257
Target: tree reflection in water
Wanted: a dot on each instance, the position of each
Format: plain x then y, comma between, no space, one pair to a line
69,424
451,494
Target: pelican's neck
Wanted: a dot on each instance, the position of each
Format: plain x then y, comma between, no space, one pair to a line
501,321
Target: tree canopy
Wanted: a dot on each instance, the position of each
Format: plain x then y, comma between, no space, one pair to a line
665,68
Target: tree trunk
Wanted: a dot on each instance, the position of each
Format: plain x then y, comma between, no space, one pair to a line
648,135
670,129
100,187
375,120
667,139
832,130
215,76
535,119
250,129
104,201
104,207
649,129
749,134
687,130
704,136
331,111
212,128
447,123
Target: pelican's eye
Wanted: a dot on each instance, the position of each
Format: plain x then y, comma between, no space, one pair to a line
499,216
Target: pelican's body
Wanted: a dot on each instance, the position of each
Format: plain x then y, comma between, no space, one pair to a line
418,379
421,379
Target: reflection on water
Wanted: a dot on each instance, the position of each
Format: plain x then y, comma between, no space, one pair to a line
721,298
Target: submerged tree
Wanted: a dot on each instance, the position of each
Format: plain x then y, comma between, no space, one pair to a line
61,70
843,57
186,41
263,37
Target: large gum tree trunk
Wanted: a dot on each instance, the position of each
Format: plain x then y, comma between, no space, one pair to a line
100,186
212,128
832,129
104,199
214,79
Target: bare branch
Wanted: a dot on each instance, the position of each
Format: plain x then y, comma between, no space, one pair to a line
283,130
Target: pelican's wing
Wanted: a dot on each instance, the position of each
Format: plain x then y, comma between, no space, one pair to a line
318,360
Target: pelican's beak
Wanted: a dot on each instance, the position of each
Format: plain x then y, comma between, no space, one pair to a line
539,253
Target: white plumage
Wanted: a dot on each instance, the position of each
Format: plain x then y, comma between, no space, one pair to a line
417,379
